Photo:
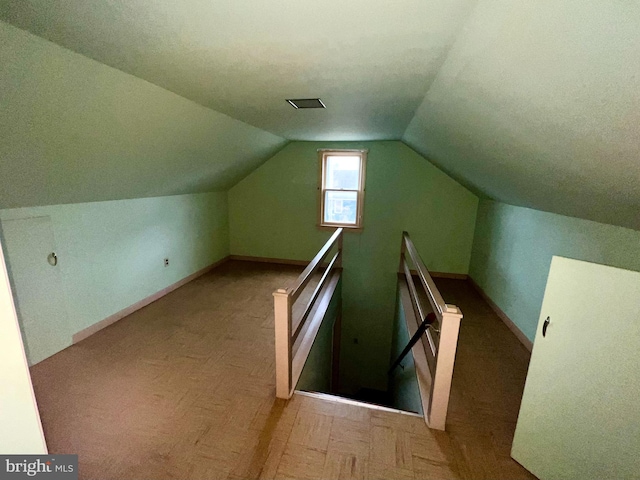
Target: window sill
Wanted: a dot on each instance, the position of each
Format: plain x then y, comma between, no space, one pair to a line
347,228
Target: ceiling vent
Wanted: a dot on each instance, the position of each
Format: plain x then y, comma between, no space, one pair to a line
306,103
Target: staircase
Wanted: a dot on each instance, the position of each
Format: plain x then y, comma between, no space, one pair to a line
308,317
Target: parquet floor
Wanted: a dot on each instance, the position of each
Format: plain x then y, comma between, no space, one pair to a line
184,389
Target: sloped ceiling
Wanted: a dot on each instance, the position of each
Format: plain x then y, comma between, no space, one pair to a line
533,104
538,105
73,130
370,62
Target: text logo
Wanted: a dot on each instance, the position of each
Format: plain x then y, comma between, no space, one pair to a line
45,467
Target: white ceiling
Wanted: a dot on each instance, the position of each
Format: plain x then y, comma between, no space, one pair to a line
531,103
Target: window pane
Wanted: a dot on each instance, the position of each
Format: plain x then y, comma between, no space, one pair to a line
342,172
341,207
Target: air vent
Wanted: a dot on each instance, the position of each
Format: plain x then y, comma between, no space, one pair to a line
306,103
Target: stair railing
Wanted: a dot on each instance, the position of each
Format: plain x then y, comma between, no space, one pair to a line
434,356
292,349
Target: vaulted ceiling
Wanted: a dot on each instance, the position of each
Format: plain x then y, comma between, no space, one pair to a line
370,62
534,104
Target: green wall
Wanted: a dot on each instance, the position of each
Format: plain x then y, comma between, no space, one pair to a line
513,247
273,213
111,253
74,130
317,372
403,384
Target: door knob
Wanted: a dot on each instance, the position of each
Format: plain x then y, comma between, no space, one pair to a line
52,258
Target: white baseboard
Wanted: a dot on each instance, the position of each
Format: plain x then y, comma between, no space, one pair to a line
278,261
96,327
528,344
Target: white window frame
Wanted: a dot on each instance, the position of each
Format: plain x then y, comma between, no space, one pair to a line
322,161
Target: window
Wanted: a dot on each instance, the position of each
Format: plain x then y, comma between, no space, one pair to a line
342,187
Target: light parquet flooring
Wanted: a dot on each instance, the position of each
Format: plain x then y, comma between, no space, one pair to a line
184,389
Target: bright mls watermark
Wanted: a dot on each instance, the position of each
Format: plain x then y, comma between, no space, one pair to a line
50,467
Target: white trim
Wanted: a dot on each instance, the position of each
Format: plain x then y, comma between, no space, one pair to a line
323,154
348,401
276,261
528,344
361,150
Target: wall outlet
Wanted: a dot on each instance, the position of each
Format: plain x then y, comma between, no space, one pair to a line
166,262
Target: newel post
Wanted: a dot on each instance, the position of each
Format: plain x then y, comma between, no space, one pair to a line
403,249
282,321
441,386
339,260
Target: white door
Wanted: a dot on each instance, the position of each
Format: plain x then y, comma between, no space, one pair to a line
580,412
37,286
21,431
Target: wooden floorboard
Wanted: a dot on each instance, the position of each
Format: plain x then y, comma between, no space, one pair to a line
184,389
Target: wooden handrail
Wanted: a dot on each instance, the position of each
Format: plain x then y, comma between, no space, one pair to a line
314,296
429,285
417,306
296,289
289,364
434,361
